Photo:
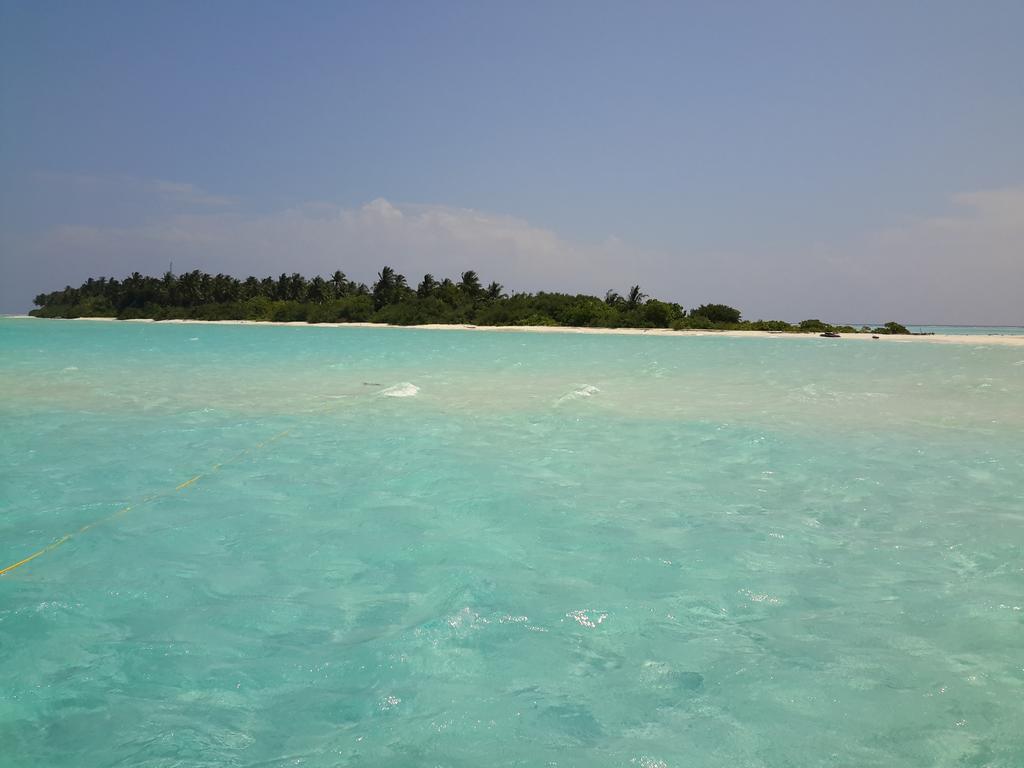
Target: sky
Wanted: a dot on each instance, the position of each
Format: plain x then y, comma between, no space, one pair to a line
858,161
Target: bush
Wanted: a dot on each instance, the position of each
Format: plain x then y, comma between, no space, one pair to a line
289,312
590,312
537,319
771,325
257,308
717,313
353,309
659,314
813,326
699,322
508,311
891,328
417,311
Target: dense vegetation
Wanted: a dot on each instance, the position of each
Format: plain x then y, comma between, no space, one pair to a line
292,298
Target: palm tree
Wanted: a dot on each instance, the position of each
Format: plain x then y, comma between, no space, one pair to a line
389,288
470,284
169,288
635,297
281,288
296,287
612,298
225,288
339,284
250,288
426,286
317,291
495,291
191,289
386,277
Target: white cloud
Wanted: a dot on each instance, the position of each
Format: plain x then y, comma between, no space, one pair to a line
190,195
320,238
966,266
115,191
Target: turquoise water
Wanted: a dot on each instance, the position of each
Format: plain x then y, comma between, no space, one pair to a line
507,549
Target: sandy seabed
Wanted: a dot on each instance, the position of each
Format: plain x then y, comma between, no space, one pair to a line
974,340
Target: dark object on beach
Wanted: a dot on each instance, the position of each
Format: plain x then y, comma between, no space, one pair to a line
830,335
874,337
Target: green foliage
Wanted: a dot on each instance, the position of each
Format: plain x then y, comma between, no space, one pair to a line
813,326
293,298
659,314
469,284
697,321
390,288
417,311
635,297
290,312
892,327
771,325
352,309
495,291
537,320
817,326
427,286
717,313
517,309
589,312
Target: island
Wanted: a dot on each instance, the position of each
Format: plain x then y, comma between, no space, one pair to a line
392,300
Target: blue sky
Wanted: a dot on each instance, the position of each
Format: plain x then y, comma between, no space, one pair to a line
858,161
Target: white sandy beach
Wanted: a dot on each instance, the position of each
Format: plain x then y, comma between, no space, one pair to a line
973,340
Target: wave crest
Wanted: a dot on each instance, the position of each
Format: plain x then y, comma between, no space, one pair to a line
587,390
403,389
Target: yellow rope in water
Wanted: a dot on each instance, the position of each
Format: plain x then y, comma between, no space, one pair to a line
124,510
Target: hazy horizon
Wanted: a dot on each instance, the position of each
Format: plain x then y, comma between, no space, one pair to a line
853,163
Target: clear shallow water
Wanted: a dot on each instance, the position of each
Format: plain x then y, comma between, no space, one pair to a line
508,549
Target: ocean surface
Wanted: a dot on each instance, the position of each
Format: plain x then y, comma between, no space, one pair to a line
326,547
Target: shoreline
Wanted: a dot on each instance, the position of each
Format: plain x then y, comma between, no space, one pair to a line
995,340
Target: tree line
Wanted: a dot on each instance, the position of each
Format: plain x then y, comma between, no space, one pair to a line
390,299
